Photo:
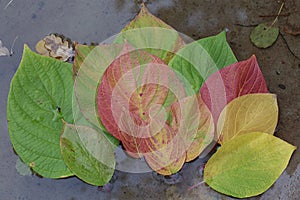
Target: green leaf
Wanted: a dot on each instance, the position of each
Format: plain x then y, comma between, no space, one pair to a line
40,97
248,165
199,59
264,35
151,34
88,154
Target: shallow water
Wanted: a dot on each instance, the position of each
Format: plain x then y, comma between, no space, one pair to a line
96,20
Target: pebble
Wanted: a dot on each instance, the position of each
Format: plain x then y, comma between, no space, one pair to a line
281,86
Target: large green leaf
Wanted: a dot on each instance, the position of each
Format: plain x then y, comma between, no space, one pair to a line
88,154
40,98
151,34
248,164
199,59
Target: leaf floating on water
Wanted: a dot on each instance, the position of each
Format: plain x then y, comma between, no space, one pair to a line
88,154
40,85
3,50
248,165
248,113
55,47
22,168
236,80
264,35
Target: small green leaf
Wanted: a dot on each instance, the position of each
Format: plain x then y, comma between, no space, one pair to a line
248,165
88,154
199,59
40,97
264,35
22,168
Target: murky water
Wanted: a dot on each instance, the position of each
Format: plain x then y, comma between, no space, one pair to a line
96,20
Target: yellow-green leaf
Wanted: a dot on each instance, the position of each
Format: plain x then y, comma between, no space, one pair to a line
88,154
148,32
246,114
248,164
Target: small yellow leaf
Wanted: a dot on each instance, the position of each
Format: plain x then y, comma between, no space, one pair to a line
248,113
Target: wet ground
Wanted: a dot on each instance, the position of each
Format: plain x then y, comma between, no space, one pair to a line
96,20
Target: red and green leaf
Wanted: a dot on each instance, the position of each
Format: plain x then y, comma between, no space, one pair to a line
231,82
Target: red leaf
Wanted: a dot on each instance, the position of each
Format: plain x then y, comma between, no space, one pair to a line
130,96
231,82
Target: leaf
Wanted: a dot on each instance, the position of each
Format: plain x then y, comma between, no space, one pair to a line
40,97
193,120
22,168
248,113
128,90
199,59
264,35
151,34
231,82
89,65
247,165
88,154
3,50
165,152
56,47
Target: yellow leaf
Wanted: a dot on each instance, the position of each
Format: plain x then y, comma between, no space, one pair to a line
248,165
246,114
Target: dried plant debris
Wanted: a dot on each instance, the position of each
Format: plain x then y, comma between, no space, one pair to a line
55,46
3,50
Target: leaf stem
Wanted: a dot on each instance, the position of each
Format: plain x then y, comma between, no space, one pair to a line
276,19
194,186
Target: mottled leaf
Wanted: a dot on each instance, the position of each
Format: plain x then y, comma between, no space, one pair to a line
128,95
248,113
193,120
88,154
247,165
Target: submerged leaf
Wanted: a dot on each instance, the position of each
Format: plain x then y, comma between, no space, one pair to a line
264,35
199,59
40,97
248,113
247,165
236,80
88,154
22,168
3,50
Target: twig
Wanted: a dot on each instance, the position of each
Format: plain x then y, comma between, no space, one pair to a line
13,44
194,186
280,15
287,45
8,4
276,19
246,25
